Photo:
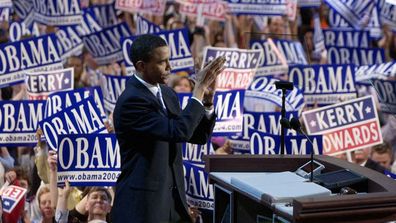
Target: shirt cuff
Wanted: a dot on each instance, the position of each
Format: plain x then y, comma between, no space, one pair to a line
209,112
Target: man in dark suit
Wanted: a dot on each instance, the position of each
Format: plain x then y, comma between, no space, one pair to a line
150,126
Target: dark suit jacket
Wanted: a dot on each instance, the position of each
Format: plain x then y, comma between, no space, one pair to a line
374,166
151,159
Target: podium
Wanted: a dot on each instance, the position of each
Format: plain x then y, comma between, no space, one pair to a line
374,202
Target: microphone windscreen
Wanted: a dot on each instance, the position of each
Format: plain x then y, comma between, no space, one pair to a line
284,85
285,123
295,124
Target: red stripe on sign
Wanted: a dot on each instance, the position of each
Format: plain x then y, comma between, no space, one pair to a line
352,138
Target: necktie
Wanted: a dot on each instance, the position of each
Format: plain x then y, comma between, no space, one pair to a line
160,101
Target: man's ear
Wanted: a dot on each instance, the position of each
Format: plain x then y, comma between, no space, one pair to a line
140,65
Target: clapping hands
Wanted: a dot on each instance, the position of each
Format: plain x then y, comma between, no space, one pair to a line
205,78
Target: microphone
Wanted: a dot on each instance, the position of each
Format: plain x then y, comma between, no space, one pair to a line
296,125
285,123
284,85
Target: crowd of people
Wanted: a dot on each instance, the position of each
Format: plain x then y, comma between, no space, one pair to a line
35,168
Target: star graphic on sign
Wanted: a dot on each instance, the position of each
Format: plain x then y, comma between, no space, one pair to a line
254,61
368,110
67,80
312,123
210,58
6,203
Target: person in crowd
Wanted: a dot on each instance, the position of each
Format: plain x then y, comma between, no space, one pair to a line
5,158
222,146
17,177
181,84
78,65
382,154
69,198
149,126
46,209
97,205
362,158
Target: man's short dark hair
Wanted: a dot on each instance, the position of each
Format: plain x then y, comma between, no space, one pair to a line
143,46
100,189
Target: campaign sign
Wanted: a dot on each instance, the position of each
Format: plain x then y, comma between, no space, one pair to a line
41,84
24,9
105,45
267,144
355,55
5,3
153,7
318,39
388,12
11,197
56,102
364,74
18,29
19,121
144,26
214,11
373,26
386,91
88,160
69,41
4,13
88,24
57,13
105,14
252,7
324,84
179,48
271,62
112,87
183,99
346,38
228,106
194,152
268,122
309,3
196,1
239,145
80,118
264,89
199,192
240,66
356,13
390,174
229,110
18,58
346,126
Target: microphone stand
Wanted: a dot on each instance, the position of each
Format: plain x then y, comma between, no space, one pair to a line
283,116
295,124
312,155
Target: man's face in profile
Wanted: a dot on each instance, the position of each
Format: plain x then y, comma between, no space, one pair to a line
157,69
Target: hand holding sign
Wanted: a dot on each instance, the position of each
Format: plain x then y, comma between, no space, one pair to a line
11,197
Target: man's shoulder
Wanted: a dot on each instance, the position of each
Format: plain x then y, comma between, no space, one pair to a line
168,90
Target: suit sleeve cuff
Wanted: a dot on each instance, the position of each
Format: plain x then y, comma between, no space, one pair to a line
200,102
